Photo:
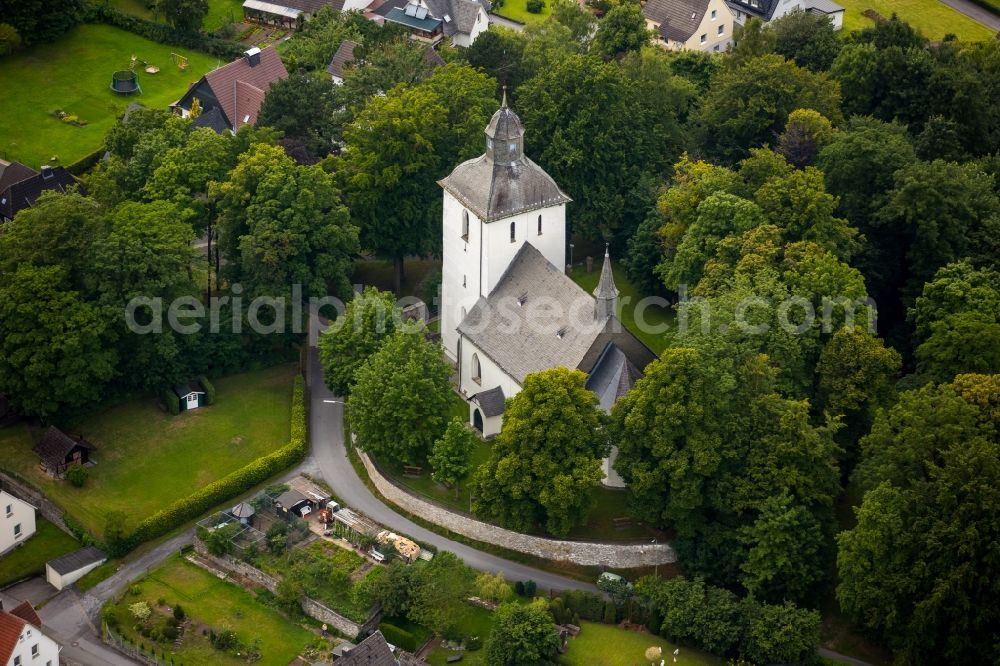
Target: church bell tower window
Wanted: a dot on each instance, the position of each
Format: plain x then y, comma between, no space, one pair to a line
513,229
465,226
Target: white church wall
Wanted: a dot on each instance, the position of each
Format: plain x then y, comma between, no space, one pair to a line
490,373
500,250
460,273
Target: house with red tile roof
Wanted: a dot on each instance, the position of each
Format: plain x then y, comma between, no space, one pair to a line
22,642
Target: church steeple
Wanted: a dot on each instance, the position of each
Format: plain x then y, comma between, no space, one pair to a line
606,292
504,135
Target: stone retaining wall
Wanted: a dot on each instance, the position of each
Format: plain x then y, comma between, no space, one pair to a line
610,555
310,607
23,490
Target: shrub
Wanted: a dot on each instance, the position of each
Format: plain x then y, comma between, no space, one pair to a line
530,588
140,610
609,612
519,588
109,617
170,633
172,402
474,643
209,390
178,613
77,475
535,6
399,637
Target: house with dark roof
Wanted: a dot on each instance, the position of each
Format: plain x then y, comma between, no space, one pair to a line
71,567
291,14
23,193
768,10
343,57
234,93
57,451
375,651
508,307
13,172
460,21
22,641
698,25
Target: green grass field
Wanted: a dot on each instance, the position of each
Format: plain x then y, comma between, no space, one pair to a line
146,458
73,74
219,11
931,17
211,602
517,10
48,543
611,646
653,316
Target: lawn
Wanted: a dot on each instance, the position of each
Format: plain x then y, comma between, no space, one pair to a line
612,646
517,10
654,316
216,604
48,542
73,74
931,17
475,621
147,459
219,11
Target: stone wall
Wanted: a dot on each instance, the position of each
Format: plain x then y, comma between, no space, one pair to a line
27,492
310,607
610,555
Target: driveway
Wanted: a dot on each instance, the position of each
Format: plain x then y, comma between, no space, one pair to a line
975,12
328,451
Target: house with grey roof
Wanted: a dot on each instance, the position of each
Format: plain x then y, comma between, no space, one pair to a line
768,10
698,25
508,307
460,21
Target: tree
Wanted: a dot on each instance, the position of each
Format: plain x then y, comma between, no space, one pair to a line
183,14
807,38
442,587
622,29
522,635
53,352
9,39
493,587
498,53
399,403
370,318
39,21
781,634
958,287
393,590
399,146
747,105
960,343
806,133
694,612
451,458
750,41
546,461
115,535
305,107
862,68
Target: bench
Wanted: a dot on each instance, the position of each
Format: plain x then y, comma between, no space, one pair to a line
411,470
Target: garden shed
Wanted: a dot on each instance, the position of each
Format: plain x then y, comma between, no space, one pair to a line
71,567
58,451
190,395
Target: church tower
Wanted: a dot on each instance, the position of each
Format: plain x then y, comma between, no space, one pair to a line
493,205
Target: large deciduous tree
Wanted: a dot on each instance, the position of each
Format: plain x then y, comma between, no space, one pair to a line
183,14
547,458
369,318
451,458
622,29
807,38
399,403
307,108
522,635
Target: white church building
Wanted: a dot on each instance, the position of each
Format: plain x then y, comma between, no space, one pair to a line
508,309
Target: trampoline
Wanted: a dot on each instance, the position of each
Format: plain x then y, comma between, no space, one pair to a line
125,82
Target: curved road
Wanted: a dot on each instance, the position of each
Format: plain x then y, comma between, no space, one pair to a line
326,431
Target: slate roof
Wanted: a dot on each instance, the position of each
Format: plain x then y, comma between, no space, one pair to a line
10,631
240,88
24,193
344,55
373,651
463,14
678,19
212,119
182,390
77,560
823,6
13,172
497,188
491,402
55,445
26,612
764,9
554,325
387,6
311,6
290,498
612,376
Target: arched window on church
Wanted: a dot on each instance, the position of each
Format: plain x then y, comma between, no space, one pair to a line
539,225
465,226
513,228
477,369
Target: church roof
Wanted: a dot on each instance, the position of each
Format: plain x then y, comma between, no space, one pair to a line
503,181
612,376
606,286
492,402
537,318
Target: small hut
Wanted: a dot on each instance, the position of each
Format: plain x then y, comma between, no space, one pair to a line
243,512
58,451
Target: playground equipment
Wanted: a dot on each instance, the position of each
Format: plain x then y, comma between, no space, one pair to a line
179,60
125,82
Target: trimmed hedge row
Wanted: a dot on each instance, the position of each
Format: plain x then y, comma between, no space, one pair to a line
162,33
992,5
209,390
399,637
172,402
232,485
86,163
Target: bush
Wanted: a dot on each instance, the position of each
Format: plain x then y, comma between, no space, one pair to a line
77,475
171,401
209,390
162,33
519,588
233,484
530,588
610,612
474,643
178,613
170,633
399,637
535,6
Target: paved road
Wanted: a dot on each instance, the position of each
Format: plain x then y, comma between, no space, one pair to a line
974,11
496,19
329,453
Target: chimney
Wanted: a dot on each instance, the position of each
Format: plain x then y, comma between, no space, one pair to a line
46,172
252,56
606,292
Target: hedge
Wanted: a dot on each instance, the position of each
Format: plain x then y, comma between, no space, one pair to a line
232,485
86,163
209,390
399,637
172,402
162,33
992,5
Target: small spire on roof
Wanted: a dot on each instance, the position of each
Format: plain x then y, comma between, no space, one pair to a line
606,292
504,102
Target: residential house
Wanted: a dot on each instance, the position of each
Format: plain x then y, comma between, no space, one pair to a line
461,21
23,193
71,567
697,25
343,57
376,651
13,172
291,14
58,451
22,642
768,10
17,521
234,93
508,307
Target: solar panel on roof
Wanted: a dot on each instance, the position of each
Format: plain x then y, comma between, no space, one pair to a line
421,12
411,10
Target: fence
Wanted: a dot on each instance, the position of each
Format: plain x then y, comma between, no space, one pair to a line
131,650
